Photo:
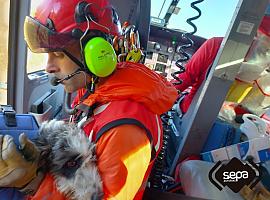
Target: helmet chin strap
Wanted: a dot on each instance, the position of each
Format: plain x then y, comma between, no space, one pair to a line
75,60
94,78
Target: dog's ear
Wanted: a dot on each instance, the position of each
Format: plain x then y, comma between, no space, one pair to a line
43,161
42,143
44,146
45,151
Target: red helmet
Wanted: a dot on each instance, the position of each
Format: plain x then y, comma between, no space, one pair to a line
57,23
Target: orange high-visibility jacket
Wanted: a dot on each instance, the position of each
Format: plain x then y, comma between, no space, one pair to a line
126,128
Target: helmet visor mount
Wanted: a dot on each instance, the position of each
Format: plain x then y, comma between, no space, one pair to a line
41,39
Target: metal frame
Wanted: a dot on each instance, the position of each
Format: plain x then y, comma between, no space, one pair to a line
17,54
170,11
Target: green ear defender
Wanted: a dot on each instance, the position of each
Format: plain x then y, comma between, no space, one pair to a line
100,57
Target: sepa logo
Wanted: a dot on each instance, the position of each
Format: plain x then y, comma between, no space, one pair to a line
235,174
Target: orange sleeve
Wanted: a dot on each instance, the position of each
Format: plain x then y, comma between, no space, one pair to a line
123,155
47,190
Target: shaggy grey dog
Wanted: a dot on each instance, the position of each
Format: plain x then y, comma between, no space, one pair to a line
69,155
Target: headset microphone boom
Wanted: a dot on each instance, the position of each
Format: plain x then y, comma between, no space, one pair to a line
55,81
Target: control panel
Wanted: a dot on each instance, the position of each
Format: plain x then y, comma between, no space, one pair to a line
163,49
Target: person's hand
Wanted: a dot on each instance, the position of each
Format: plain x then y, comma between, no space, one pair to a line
17,167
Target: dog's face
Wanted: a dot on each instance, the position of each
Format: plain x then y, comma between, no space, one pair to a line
69,156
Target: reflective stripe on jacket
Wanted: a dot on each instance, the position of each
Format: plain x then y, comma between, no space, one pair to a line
125,112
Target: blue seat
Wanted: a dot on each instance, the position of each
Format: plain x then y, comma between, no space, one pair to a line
20,123
10,194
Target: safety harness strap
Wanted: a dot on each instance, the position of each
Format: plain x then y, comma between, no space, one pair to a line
130,121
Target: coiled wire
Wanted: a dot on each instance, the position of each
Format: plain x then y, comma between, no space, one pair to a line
158,168
189,43
157,175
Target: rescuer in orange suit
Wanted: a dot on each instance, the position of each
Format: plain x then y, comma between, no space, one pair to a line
200,63
118,104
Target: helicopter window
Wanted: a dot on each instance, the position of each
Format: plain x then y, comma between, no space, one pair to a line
4,27
35,62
